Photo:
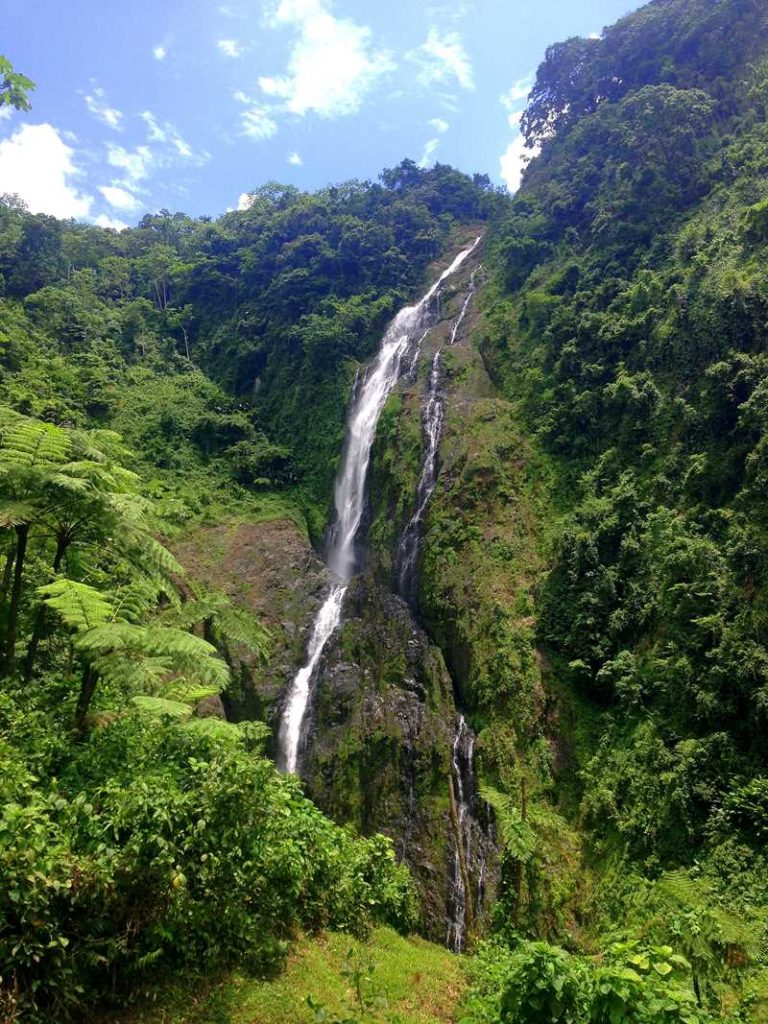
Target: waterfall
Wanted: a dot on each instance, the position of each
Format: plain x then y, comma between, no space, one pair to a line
327,620
407,553
363,419
408,547
372,389
462,908
463,784
465,307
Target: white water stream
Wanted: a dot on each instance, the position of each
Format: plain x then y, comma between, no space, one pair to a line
369,398
462,770
408,548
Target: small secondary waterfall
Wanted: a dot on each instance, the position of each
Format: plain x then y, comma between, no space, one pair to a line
463,786
465,307
369,396
407,553
408,547
468,863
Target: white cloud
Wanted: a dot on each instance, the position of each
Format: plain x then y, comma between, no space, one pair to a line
257,122
36,164
517,155
159,52
295,160
136,165
244,201
441,59
518,91
96,102
182,148
119,197
6,113
168,134
429,149
514,160
332,66
103,221
229,47
454,11
439,125
156,133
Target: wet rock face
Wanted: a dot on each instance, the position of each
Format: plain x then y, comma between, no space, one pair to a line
270,569
381,721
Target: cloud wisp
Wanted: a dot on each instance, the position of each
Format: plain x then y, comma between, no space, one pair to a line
230,47
97,103
120,198
256,121
429,151
442,60
332,65
517,155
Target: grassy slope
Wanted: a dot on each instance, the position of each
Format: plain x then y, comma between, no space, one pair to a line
413,982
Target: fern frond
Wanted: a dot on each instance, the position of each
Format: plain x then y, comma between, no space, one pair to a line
517,836
116,637
240,627
81,607
150,555
216,729
100,445
190,691
161,707
32,443
17,513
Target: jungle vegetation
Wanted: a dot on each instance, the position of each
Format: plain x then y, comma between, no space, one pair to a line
186,368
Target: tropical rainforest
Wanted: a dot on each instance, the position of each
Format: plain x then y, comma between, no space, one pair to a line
591,595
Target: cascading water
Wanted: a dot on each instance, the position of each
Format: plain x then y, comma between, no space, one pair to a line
465,307
463,788
327,620
369,397
468,864
408,548
363,419
407,553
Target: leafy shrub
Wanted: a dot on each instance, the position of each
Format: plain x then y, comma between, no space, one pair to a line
163,848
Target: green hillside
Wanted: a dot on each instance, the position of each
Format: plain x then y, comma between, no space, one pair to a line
591,592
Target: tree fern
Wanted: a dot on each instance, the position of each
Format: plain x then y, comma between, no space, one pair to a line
32,443
80,606
228,624
517,837
17,513
162,706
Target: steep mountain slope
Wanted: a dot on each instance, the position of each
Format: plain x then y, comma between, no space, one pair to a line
549,684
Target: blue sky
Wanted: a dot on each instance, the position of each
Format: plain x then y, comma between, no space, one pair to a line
187,105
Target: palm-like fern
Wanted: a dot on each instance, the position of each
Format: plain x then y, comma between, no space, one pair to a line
149,659
685,911
224,623
518,838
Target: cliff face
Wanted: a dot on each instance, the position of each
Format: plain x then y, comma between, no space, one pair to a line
383,720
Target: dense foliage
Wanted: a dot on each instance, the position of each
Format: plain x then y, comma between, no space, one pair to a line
147,378
627,321
184,367
273,303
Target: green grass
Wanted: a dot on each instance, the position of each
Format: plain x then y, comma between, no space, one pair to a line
412,982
